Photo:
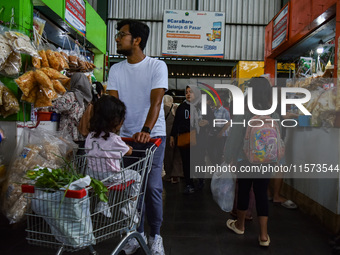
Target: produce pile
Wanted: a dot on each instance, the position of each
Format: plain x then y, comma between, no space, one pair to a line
61,178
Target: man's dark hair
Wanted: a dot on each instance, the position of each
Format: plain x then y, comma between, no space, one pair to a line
137,29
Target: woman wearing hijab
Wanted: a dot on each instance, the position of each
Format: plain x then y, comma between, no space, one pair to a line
72,105
172,157
187,119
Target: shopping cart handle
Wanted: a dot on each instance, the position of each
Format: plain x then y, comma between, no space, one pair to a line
155,141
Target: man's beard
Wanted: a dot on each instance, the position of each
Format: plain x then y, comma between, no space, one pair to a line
126,53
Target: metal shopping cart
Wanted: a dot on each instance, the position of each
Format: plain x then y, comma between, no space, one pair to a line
76,219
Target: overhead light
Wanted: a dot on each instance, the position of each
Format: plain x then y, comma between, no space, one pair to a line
319,50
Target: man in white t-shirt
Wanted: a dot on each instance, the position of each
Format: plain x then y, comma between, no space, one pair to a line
140,82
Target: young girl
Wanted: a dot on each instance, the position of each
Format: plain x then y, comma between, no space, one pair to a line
105,150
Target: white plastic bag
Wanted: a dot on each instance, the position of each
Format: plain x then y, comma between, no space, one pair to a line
69,218
223,189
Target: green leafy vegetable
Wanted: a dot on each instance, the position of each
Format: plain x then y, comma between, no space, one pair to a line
58,178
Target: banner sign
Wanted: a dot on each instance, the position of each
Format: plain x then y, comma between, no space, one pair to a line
193,33
280,31
75,15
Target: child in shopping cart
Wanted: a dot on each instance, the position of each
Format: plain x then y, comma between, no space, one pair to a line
105,150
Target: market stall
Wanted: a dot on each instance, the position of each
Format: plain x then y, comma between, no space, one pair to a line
308,33
42,43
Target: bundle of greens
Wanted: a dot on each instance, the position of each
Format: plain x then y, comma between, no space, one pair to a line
59,178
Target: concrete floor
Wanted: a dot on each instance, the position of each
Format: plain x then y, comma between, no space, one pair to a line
194,224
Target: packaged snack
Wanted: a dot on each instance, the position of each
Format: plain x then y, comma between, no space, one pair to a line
50,93
38,25
26,82
58,87
36,147
63,64
36,62
31,96
13,64
53,60
5,50
44,60
1,91
54,74
42,100
10,104
65,55
21,43
82,65
73,61
45,83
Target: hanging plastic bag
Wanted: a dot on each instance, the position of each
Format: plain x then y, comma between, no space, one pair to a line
35,147
5,49
21,43
38,29
8,102
12,65
223,189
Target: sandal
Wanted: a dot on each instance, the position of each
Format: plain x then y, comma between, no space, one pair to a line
289,204
231,225
264,243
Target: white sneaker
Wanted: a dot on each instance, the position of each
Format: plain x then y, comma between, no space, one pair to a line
103,208
132,245
156,244
127,210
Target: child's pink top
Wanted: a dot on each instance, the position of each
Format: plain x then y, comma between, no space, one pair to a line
105,157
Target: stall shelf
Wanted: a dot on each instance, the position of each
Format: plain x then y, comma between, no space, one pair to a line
54,12
297,28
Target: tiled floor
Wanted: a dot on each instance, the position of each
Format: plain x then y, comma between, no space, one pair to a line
194,224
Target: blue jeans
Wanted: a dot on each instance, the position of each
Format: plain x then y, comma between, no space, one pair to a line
153,203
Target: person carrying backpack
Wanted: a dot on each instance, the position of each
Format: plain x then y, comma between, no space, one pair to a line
254,145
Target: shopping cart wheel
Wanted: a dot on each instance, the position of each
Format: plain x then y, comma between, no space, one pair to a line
61,250
92,250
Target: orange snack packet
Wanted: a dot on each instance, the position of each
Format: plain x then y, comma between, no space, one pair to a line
44,60
26,82
42,100
53,60
58,87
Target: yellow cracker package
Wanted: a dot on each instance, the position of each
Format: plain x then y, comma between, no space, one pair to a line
42,100
50,93
44,60
65,56
58,87
26,82
36,62
31,97
43,80
53,60
54,74
63,64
